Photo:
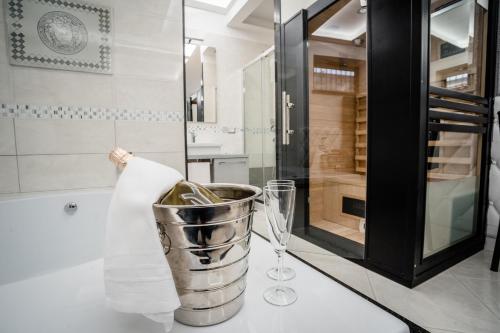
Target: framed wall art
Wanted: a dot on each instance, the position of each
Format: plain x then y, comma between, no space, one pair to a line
60,34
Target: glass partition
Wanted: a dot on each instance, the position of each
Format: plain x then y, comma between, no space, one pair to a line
456,122
457,45
259,118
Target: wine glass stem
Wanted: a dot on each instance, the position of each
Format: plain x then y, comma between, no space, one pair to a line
280,254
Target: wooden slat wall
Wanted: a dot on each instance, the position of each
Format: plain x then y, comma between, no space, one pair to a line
331,132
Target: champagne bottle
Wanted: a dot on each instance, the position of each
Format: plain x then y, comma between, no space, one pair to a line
183,193
189,193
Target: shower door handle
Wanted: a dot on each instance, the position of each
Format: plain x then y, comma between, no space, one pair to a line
286,106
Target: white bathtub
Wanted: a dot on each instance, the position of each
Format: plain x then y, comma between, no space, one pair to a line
51,280
38,236
51,267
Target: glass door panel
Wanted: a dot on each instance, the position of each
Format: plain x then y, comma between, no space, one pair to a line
328,125
252,102
338,122
457,45
457,122
453,176
259,118
268,118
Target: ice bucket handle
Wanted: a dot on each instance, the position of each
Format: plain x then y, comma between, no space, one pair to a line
165,240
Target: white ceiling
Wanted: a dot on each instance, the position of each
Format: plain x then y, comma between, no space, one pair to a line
454,24
346,24
239,12
263,15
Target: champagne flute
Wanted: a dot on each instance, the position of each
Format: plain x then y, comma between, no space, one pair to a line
287,272
279,204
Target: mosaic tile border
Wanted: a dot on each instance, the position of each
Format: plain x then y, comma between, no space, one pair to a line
216,129
29,111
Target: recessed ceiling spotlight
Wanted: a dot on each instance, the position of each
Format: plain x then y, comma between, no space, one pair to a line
362,8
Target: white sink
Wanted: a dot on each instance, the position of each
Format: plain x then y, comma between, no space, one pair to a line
202,148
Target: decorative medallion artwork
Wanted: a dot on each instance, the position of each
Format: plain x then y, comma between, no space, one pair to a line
60,34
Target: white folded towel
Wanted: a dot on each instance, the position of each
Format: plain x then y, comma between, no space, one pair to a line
137,277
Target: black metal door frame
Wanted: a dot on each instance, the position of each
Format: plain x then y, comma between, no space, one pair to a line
294,158
430,266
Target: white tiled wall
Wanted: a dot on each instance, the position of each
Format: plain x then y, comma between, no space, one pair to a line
7,141
60,154
38,136
8,174
150,137
71,171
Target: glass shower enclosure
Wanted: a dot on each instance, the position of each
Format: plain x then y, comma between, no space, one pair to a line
259,118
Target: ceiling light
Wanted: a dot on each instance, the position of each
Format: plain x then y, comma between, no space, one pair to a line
345,24
362,8
217,3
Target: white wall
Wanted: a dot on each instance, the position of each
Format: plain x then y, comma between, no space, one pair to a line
292,7
234,49
56,127
494,188
193,73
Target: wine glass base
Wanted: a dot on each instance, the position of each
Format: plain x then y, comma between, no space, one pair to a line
280,295
287,273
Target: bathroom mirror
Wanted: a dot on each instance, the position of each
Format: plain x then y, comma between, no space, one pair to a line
201,82
230,91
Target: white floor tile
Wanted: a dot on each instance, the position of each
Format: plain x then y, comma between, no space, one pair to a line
477,266
442,302
488,292
437,330
345,271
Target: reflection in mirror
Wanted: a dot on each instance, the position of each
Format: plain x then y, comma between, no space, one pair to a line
230,91
458,37
201,82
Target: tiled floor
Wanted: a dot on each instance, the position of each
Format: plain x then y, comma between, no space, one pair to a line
463,299
341,230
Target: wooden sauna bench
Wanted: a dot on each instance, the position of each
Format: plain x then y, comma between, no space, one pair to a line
340,192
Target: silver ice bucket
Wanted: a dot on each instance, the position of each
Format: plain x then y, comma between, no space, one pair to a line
207,249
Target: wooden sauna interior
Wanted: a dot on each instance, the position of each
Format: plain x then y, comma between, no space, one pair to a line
337,122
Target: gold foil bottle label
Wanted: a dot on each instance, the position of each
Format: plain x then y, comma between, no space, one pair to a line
188,193
120,157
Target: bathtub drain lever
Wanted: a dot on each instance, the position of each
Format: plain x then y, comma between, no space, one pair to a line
71,207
